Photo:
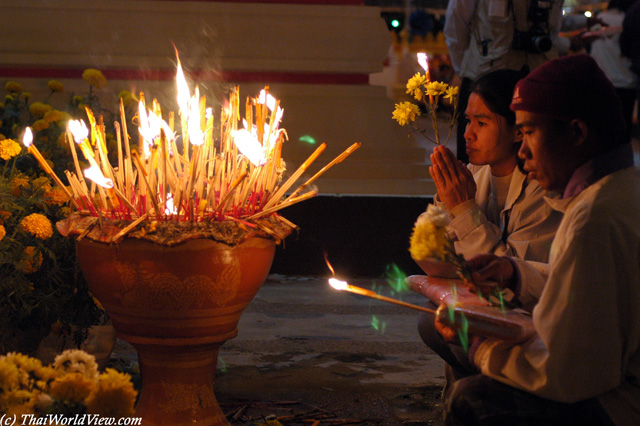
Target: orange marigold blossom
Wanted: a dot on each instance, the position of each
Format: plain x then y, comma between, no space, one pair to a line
9,149
38,225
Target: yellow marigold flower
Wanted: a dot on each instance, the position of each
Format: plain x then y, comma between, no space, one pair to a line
26,96
2,137
39,109
13,86
55,86
31,261
1,105
3,232
406,112
451,93
53,116
77,361
27,367
55,196
9,149
94,77
17,183
37,224
8,375
39,125
73,387
436,88
414,85
429,237
114,396
19,402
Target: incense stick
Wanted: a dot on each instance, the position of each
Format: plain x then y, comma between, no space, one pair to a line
342,285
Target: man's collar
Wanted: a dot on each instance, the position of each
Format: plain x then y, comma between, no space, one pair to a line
620,157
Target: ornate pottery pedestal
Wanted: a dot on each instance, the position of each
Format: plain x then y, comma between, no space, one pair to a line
176,305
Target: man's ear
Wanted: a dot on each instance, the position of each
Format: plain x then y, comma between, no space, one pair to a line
578,131
518,136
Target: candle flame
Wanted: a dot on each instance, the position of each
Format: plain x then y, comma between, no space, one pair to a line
422,60
338,284
326,259
27,138
183,90
249,146
95,174
79,130
169,207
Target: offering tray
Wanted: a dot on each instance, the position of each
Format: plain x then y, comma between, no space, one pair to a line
459,307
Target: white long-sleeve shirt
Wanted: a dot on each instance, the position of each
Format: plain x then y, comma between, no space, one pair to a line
588,317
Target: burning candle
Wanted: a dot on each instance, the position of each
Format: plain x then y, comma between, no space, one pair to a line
424,63
27,140
343,285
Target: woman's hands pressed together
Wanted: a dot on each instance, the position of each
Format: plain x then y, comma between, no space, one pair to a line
454,182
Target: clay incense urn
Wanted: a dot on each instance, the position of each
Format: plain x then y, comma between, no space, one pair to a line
176,305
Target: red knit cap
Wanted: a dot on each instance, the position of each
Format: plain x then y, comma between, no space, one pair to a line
570,87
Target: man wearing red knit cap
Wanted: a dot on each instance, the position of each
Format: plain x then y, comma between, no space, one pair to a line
583,364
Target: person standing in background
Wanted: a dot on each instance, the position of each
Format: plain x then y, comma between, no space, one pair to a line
484,36
630,41
606,52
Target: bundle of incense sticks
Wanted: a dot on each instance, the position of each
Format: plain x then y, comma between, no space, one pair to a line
230,170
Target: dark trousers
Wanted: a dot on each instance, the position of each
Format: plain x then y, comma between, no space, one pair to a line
471,399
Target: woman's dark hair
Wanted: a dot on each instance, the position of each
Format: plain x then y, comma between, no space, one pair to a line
496,90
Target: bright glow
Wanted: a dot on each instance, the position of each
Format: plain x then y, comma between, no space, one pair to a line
95,174
422,60
395,23
271,104
78,129
170,208
338,284
183,91
249,146
588,14
271,101
27,139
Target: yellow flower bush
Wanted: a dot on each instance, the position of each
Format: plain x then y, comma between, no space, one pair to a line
9,149
3,232
28,387
430,94
94,77
38,225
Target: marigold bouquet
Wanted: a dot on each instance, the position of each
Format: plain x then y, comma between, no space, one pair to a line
430,94
430,240
70,385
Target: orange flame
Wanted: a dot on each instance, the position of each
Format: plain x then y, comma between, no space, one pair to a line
326,259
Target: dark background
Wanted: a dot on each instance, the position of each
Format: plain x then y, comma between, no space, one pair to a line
362,236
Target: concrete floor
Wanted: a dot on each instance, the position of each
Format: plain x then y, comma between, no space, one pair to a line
304,347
